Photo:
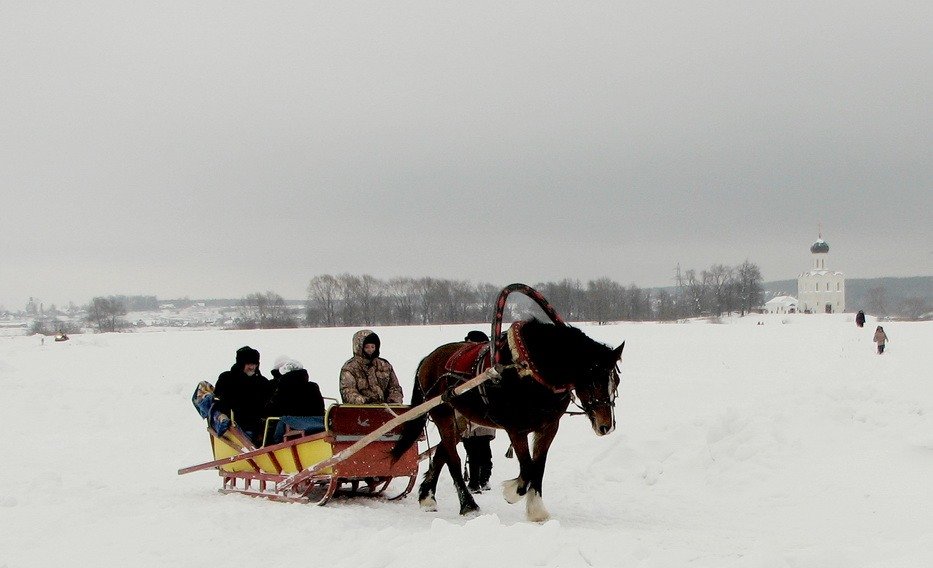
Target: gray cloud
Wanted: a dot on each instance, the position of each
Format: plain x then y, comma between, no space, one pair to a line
223,148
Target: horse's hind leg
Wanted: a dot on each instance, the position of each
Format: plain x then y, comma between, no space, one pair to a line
467,503
449,440
429,483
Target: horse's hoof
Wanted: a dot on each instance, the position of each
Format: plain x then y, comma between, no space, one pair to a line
539,518
469,509
428,504
510,491
534,508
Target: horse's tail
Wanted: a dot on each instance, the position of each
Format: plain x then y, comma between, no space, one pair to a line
412,429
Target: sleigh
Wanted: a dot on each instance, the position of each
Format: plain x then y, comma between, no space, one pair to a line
265,471
352,453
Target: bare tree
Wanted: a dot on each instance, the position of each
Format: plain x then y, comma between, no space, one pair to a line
265,311
716,281
323,292
429,297
105,313
33,307
402,295
666,308
313,316
635,304
567,296
371,300
486,295
349,286
915,307
695,294
603,300
749,290
456,298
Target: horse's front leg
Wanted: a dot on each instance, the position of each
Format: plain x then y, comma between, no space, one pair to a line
514,489
534,503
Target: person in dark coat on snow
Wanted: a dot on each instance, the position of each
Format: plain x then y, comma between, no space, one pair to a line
477,440
294,394
860,319
241,393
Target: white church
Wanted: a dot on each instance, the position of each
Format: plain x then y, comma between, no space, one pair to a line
820,290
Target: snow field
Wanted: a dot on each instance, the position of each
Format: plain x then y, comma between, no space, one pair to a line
783,445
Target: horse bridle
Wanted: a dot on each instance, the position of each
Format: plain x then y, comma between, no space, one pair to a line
608,399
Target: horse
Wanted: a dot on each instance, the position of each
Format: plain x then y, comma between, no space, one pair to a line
542,366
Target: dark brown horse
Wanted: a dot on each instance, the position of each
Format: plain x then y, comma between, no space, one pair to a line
543,364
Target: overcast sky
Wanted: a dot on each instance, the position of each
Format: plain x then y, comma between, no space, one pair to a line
213,149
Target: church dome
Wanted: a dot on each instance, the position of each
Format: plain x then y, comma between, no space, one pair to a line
819,246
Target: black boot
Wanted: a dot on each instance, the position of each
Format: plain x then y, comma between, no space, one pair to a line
474,485
484,474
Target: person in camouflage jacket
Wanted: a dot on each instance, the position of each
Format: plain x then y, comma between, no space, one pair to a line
367,378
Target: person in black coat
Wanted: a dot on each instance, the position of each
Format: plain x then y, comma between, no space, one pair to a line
477,440
294,394
860,318
241,393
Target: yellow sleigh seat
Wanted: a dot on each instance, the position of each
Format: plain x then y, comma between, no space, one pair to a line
285,458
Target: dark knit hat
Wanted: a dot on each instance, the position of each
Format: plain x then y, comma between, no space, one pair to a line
246,355
371,339
477,336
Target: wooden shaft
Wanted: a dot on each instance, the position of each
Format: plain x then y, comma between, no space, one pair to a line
224,461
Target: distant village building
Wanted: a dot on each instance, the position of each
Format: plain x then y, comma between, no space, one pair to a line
781,305
820,290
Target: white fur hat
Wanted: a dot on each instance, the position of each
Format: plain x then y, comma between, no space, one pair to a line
286,364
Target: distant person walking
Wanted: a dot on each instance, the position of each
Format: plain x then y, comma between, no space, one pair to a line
880,338
860,319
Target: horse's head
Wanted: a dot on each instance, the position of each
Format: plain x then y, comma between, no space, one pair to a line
597,391
562,357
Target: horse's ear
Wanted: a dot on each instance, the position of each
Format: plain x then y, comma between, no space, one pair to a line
617,352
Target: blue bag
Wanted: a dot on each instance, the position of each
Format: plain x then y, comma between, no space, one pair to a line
203,400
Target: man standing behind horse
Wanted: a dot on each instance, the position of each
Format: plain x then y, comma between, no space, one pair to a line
477,440
367,378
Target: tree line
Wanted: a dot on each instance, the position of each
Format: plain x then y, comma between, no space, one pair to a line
352,300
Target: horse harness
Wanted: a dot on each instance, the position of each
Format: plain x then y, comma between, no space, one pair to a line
473,358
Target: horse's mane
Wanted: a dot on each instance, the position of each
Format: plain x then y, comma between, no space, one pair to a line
561,351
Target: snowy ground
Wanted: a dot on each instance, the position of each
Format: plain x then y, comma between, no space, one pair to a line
789,444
